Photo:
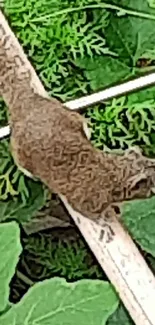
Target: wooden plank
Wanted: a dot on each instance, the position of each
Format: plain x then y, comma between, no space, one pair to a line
112,246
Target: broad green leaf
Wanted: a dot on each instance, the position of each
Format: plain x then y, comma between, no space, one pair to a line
23,211
56,302
130,36
142,96
102,71
139,218
136,6
10,249
120,317
151,3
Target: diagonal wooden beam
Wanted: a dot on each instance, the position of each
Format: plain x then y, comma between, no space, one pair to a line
112,246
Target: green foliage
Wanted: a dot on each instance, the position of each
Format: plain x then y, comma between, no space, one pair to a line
137,9
23,210
12,182
3,113
46,257
131,36
10,249
20,197
53,44
102,71
54,300
142,225
120,317
122,124
151,3
15,188
126,121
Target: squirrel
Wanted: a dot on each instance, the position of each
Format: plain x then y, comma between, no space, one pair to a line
51,143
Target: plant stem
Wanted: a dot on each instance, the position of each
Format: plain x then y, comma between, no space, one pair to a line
24,278
97,6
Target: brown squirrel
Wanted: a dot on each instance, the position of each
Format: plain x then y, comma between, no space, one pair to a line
51,143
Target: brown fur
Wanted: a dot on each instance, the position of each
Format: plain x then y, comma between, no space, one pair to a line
48,140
